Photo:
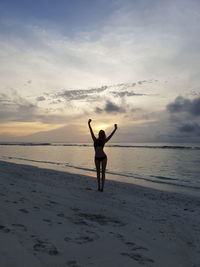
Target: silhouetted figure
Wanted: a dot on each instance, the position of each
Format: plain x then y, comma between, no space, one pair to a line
100,156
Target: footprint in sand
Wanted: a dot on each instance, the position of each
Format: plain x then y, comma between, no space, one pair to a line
75,209
48,221
36,208
81,238
61,215
20,226
4,229
134,246
24,210
73,264
45,247
34,191
53,202
118,236
88,188
100,219
138,257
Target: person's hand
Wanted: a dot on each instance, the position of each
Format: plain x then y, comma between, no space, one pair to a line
89,121
115,126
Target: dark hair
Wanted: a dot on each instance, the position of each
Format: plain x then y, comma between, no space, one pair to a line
102,135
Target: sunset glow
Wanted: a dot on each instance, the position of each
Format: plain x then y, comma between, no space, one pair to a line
114,63
101,127
26,128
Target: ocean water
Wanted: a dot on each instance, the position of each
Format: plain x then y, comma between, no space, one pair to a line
164,166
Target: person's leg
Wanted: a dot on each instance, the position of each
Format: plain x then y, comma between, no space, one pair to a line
104,163
97,164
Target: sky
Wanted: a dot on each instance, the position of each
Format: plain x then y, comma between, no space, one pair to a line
131,62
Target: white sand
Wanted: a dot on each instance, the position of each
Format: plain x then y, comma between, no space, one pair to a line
51,218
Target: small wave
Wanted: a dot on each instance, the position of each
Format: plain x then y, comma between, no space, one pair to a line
164,178
79,145
33,160
25,144
157,147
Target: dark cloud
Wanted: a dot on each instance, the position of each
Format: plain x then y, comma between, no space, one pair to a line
190,128
55,102
125,93
73,95
113,108
195,106
181,104
98,110
195,92
93,93
125,85
184,117
4,99
79,94
110,107
40,98
141,82
16,108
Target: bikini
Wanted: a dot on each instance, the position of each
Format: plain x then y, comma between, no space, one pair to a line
99,143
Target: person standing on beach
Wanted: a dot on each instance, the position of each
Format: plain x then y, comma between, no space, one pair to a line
100,156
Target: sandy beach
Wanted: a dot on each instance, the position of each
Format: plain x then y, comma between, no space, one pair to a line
56,219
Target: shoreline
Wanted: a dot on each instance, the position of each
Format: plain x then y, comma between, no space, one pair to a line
143,182
54,218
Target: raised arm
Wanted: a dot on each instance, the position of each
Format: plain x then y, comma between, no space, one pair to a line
108,138
91,131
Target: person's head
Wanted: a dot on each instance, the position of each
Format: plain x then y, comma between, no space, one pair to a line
102,135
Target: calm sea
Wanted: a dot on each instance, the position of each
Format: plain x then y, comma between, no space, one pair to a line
159,165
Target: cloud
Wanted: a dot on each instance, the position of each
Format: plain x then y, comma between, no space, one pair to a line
190,128
40,98
110,107
184,117
126,93
125,85
113,108
185,105
80,94
126,47
140,40
141,82
131,43
93,94
98,110
14,108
